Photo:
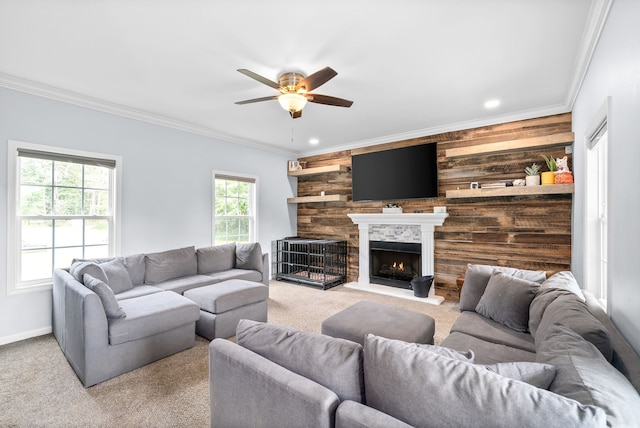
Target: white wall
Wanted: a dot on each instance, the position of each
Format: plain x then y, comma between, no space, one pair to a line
166,194
615,72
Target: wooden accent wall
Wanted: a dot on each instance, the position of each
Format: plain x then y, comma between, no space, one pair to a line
528,232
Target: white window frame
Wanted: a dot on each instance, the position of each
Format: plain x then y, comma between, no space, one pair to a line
253,220
14,286
596,208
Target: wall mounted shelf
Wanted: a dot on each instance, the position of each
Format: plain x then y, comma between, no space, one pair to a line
507,146
325,198
318,170
552,189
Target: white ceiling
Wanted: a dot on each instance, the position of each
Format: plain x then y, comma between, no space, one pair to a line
412,67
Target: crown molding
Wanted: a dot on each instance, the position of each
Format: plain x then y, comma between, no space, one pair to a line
74,98
593,30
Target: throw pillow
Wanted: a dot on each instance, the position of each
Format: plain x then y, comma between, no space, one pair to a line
333,363
422,388
217,258
563,280
477,277
249,256
111,307
171,264
117,276
506,300
536,374
583,374
79,269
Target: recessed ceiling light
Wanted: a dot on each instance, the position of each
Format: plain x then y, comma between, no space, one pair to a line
492,104
314,141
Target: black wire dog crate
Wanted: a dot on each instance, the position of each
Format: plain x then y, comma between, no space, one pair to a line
317,262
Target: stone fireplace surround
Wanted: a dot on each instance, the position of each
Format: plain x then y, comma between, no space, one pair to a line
409,227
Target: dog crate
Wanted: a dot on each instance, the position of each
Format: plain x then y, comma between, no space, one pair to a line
316,262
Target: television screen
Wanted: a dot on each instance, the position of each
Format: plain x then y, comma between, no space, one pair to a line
396,174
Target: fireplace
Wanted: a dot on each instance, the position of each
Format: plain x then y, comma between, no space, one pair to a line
421,225
394,263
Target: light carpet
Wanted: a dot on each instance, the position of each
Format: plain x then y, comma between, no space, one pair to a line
38,387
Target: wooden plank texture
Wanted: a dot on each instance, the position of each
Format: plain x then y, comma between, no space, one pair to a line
508,146
523,231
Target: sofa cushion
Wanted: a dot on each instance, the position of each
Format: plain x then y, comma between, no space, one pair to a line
506,300
137,291
180,285
166,265
537,374
540,303
111,307
584,375
491,331
249,256
422,389
333,363
152,314
466,356
477,277
117,275
216,259
563,280
357,415
486,352
135,266
575,315
247,275
79,268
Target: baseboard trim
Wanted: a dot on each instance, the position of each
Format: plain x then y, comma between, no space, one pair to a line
25,335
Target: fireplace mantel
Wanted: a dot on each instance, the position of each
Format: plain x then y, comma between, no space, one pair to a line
427,223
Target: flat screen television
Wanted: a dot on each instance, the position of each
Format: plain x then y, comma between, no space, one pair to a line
396,174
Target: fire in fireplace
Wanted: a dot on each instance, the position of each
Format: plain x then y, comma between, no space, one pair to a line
394,263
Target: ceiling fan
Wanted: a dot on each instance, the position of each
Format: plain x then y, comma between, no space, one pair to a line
294,90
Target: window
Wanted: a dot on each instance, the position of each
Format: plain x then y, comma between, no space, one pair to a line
62,207
596,209
234,208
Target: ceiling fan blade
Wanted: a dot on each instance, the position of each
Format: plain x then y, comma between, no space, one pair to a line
257,100
326,99
259,78
295,114
318,78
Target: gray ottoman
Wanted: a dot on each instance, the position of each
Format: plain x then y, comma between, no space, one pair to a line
223,304
355,322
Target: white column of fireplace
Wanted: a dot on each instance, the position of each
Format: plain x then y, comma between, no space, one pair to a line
427,223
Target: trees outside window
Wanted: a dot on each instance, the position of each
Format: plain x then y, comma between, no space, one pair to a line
64,209
233,209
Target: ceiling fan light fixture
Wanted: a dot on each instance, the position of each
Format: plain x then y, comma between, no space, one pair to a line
292,102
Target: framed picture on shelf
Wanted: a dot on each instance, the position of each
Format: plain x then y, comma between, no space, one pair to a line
294,165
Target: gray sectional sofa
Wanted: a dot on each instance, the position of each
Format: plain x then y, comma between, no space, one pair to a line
526,351
116,314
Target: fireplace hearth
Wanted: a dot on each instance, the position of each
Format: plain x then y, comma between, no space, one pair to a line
394,263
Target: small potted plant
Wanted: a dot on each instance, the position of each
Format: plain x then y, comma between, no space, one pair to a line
549,177
533,175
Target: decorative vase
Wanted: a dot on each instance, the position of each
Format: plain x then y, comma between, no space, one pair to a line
532,180
548,177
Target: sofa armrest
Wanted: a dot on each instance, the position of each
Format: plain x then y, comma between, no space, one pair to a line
79,322
265,269
249,390
351,414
